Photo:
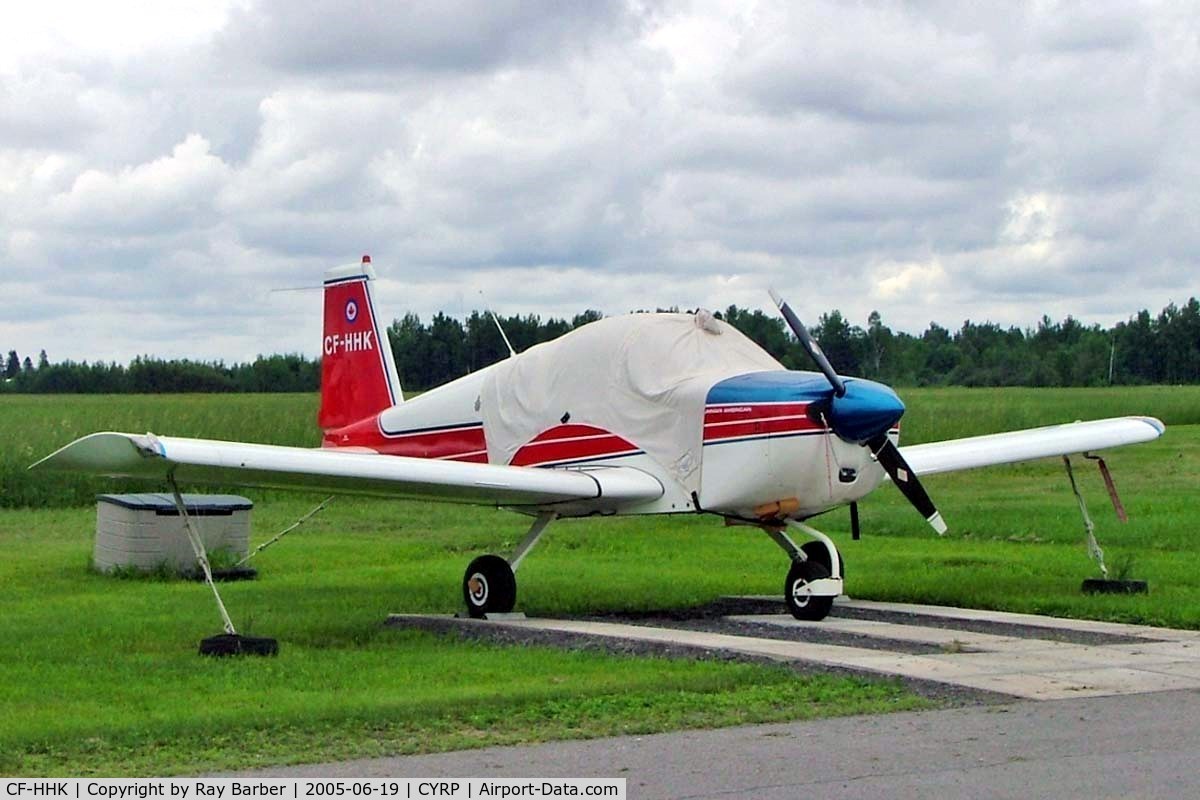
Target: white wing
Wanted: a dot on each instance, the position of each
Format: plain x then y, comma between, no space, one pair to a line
1006,448
240,464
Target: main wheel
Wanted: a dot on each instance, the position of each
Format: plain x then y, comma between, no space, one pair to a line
799,601
489,586
818,552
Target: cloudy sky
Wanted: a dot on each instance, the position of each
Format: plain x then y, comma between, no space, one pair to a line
165,166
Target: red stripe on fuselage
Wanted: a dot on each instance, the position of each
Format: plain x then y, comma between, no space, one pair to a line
570,431
457,443
571,443
733,421
761,428
752,411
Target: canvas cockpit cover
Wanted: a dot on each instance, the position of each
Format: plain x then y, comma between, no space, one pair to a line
644,377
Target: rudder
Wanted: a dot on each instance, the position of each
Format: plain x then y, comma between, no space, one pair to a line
358,371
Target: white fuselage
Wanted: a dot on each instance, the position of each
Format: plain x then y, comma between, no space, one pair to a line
753,454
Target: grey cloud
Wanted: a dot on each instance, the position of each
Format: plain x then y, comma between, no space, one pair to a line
44,111
870,65
1092,27
319,37
927,159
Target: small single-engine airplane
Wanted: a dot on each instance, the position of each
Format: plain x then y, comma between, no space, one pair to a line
637,414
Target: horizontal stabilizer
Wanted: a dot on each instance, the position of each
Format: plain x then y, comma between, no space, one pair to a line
1026,445
237,464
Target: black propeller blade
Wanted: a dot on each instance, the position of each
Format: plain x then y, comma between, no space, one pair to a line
906,480
810,344
856,421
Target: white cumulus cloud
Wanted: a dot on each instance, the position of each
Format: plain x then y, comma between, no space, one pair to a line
163,170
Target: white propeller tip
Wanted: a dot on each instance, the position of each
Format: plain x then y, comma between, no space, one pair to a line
937,523
775,298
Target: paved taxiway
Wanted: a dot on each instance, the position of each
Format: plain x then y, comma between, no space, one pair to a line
1140,745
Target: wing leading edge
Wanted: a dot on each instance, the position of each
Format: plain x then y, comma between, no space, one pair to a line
241,464
1025,445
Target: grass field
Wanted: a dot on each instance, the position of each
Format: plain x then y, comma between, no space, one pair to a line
101,676
36,425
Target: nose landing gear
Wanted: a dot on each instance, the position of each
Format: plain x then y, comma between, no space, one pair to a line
816,572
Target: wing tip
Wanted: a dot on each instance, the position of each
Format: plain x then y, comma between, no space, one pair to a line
77,454
1155,423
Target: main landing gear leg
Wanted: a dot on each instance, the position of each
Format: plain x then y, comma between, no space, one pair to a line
490,583
816,573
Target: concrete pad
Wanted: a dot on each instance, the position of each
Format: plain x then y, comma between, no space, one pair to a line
1117,680
1025,667
1036,687
1033,620
1065,658
1182,650
889,630
943,669
772,648
1180,669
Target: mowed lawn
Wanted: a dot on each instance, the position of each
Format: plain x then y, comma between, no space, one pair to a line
101,675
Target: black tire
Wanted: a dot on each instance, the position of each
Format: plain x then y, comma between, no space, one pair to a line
234,644
816,551
489,586
805,606
1105,586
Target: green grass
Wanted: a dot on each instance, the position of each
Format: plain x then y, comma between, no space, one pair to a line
37,425
950,413
101,676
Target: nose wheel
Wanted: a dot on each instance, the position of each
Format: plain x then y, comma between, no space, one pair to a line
816,572
797,591
489,586
818,552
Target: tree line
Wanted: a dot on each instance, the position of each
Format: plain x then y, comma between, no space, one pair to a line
1163,348
147,375
1146,349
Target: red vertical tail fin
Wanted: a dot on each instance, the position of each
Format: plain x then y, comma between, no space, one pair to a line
358,372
